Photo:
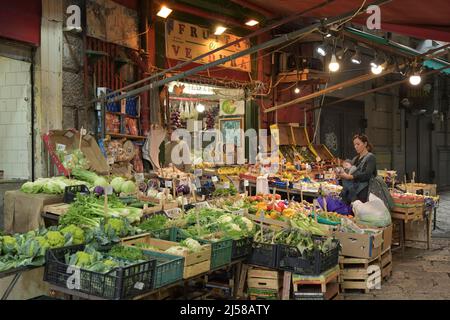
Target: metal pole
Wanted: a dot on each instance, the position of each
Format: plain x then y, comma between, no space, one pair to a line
271,43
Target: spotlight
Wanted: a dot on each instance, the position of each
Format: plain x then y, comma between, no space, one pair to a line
297,90
164,12
200,108
356,58
219,30
415,79
377,70
334,65
322,50
252,23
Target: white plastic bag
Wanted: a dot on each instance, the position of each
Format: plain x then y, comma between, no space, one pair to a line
262,185
372,213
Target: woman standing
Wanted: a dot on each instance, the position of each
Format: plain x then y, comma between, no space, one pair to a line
356,185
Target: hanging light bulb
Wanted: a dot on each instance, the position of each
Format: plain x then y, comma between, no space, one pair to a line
297,90
377,70
322,50
200,108
334,64
356,58
415,79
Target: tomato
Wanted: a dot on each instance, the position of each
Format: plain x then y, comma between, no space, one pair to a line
278,197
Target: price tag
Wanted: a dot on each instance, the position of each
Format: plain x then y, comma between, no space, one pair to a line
109,190
68,158
139,177
110,160
246,183
139,285
83,131
215,179
226,185
60,147
198,172
168,184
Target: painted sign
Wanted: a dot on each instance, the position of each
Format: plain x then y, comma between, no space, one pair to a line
185,41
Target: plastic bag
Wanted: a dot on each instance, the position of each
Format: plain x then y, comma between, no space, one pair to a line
372,213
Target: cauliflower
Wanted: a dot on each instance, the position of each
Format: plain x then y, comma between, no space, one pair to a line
117,225
192,245
225,219
234,227
248,223
177,250
83,259
9,245
55,239
43,243
76,232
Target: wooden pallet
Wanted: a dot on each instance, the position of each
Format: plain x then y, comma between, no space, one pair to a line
325,285
57,208
354,273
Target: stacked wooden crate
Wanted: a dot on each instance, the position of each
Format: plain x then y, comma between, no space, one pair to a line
317,287
264,284
358,273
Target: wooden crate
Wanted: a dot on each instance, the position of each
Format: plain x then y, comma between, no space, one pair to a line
57,208
194,263
408,213
386,264
427,189
354,273
324,286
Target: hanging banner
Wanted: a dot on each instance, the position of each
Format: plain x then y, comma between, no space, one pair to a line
186,41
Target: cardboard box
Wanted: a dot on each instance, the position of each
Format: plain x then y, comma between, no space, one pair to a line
71,140
360,245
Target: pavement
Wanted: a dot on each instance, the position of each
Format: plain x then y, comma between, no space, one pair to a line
419,274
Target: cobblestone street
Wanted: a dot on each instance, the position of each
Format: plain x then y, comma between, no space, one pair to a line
419,273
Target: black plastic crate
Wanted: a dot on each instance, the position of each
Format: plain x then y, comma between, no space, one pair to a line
119,283
70,192
264,254
310,262
241,248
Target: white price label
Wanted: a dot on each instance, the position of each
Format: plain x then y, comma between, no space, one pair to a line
139,177
109,190
60,147
246,184
226,185
83,131
214,179
198,172
168,184
139,285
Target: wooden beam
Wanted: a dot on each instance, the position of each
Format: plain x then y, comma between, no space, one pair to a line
339,86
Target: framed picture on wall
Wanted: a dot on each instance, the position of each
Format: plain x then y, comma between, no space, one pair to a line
232,130
229,107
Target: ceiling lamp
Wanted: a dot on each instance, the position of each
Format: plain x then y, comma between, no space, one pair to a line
200,108
378,69
164,12
322,50
219,30
252,23
297,90
334,64
356,58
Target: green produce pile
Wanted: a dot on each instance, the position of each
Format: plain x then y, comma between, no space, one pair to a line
155,222
186,246
308,225
231,191
88,211
295,238
55,185
73,160
28,249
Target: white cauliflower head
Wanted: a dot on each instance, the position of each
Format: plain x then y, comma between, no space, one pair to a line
225,219
248,223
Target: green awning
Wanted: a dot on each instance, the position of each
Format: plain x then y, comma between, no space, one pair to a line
431,64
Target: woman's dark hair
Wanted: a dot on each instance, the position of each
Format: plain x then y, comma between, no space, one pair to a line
364,139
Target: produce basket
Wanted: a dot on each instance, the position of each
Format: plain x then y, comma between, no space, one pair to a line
264,254
70,192
310,262
169,268
241,248
119,283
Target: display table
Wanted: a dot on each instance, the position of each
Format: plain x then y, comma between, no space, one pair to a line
289,192
22,211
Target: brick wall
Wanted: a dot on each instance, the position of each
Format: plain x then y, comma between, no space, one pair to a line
15,118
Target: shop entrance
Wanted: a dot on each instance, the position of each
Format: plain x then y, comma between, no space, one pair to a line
338,124
15,118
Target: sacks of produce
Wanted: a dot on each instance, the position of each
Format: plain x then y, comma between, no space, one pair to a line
373,213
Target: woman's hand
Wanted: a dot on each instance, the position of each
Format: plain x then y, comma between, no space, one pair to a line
346,176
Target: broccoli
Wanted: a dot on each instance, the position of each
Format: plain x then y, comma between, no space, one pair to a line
117,225
55,239
76,232
126,253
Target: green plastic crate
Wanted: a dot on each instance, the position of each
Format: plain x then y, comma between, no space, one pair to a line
169,268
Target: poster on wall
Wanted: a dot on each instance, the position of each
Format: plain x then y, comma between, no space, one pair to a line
112,22
230,107
232,130
185,41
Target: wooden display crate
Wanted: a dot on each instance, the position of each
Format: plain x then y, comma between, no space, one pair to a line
386,264
408,213
354,273
321,287
264,284
194,264
422,188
